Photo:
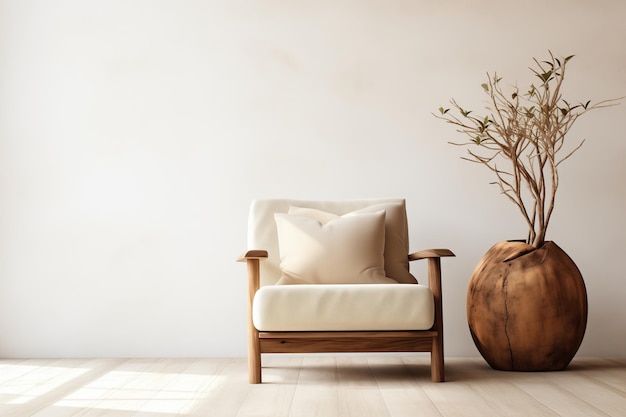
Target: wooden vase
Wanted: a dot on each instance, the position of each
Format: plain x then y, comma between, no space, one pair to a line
527,307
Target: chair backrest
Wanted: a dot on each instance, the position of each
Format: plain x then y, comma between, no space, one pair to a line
262,233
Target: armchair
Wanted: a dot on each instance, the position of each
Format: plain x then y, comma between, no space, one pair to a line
304,297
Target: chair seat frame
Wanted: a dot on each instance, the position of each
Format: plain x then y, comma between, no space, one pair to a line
352,341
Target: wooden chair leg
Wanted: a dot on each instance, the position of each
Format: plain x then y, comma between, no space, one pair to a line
437,370
254,357
254,346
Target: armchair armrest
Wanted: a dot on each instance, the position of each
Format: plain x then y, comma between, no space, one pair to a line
430,253
434,266
253,258
253,254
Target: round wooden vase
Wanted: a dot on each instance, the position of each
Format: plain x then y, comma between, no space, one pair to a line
527,307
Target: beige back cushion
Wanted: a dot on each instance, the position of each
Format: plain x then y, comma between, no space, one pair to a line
345,250
262,231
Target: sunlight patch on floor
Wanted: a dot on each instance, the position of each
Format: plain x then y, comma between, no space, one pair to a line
143,391
22,383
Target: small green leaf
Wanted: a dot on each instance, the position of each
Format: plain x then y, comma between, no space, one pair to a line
485,87
443,111
545,77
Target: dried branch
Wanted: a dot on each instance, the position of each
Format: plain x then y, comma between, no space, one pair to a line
521,137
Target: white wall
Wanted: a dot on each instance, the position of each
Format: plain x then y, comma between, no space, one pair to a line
134,134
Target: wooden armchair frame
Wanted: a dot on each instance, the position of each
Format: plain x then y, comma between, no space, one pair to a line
355,341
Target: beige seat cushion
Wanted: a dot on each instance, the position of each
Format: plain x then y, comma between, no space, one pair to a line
343,307
344,250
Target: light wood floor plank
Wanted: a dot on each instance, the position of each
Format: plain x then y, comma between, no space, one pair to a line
125,390
275,396
400,383
52,380
456,398
497,391
226,396
306,386
575,388
359,394
317,393
606,371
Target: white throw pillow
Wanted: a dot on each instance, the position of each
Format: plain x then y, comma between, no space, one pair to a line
396,237
345,250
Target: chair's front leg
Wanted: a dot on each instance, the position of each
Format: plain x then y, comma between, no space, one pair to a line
254,348
437,371
433,257
253,260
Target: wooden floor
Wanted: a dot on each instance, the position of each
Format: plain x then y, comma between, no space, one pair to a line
325,386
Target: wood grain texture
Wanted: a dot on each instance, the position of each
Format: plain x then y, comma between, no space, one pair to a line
306,386
254,348
347,342
526,307
430,253
253,254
